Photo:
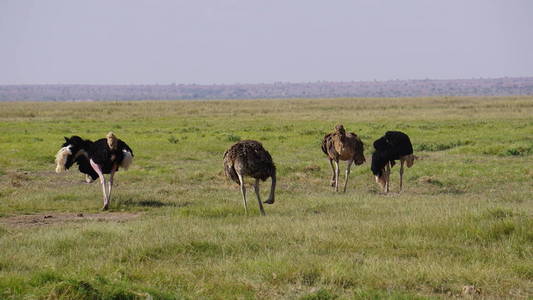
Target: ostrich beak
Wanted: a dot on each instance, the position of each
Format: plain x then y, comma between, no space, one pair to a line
269,201
380,180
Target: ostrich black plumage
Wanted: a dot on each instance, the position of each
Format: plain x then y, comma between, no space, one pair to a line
95,159
249,158
394,145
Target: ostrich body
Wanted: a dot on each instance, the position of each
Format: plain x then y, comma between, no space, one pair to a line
249,158
339,145
95,159
394,145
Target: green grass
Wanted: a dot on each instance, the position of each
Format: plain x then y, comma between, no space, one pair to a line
464,218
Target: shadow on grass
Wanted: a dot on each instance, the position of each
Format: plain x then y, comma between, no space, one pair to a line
151,203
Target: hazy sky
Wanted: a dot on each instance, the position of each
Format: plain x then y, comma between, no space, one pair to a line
252,41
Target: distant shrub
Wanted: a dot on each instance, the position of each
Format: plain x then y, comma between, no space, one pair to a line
507,150
518,151
233,138
513,152
439,146
287,127
190,129
173,140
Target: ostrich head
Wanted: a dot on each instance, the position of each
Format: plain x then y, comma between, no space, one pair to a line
410,160
70,150
112,140
339,129
271,196
379,161
359,152
381,180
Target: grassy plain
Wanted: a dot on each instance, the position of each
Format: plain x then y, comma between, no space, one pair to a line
464,218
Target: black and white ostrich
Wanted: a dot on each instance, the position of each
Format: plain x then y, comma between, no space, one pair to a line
95,159
249,158
394,145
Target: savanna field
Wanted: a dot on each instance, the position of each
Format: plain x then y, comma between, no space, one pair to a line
176,228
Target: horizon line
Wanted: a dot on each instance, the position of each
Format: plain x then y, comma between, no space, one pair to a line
266,83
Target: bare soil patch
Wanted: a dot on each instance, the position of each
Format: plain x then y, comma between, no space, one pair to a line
60,218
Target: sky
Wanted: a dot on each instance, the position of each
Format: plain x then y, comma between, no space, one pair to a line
262,41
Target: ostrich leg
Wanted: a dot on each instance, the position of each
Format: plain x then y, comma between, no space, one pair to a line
401,174
336,175
98,171
347,173
332,172
110,184
256,188
387,177
243,192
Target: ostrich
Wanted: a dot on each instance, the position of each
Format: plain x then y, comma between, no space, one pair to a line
392,146
339,145
95,159
249,158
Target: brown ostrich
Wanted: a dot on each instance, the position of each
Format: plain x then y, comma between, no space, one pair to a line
339,145
249,158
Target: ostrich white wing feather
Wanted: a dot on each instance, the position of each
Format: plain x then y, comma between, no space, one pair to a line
61,158
128,159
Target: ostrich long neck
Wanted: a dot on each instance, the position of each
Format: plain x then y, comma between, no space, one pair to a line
272,188
340,136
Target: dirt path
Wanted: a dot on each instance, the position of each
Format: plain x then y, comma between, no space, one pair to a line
61,218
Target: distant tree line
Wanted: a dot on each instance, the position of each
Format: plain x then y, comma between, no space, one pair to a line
387,89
